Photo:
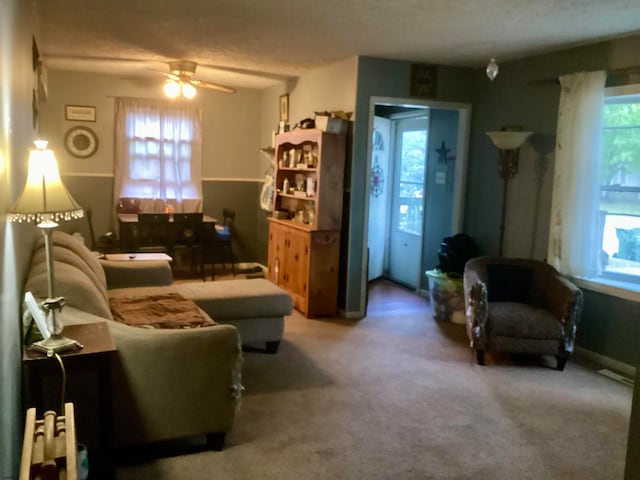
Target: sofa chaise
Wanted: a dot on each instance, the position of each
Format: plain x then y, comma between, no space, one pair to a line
166,383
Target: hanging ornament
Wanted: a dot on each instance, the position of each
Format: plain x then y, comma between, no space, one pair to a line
377,180
492,69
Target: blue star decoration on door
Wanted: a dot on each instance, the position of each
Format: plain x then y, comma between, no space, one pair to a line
443,154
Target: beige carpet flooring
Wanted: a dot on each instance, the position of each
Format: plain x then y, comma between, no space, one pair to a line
397,395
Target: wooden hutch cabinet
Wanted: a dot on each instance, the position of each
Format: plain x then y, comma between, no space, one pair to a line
304,231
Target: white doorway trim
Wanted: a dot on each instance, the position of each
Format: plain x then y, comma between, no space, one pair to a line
460,178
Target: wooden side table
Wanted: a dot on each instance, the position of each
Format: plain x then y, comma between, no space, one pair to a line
88,386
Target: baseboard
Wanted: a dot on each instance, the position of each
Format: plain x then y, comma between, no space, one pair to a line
350,314
610,363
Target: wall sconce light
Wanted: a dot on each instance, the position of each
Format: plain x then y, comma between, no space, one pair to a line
508,142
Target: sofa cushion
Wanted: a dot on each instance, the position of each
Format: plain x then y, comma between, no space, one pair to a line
65,255
511,319
159,311
71,283
226,299
65,240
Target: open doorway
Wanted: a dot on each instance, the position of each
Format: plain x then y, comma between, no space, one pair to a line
417,170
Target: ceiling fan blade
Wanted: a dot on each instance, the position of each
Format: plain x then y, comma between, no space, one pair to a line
212,86
168,75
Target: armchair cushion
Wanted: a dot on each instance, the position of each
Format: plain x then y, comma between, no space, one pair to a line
508,283
511,319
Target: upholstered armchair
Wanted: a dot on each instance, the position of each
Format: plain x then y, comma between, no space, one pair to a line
520,306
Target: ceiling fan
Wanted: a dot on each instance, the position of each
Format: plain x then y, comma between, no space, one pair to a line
180,82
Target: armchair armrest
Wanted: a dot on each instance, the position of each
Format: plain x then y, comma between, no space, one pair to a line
148,273
564,300
477,312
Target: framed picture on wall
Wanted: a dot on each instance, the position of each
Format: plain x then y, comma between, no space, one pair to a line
284,107
81,113
424,81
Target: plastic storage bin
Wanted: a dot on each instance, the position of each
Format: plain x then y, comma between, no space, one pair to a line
447,296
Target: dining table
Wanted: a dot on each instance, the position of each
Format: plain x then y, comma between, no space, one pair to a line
128,225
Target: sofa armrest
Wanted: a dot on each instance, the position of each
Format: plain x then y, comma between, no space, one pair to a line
174,383
147,273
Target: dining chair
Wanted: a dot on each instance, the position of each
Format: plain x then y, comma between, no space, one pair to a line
151,233
187,230
217,244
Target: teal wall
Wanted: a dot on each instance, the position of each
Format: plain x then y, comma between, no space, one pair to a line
443,127
17,26
610,326
383,78
526,93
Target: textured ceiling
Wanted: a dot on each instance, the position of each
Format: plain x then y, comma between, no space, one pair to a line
252,43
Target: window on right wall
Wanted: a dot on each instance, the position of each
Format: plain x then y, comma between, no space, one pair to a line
620,185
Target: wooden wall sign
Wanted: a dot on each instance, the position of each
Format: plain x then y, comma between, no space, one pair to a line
424,80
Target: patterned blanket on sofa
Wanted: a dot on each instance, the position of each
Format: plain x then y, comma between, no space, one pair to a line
169,310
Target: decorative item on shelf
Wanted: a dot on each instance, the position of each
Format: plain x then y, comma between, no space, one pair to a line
293,158
283,127
285,186
281,214
311,187
336,121
300,182
508,141
311,214
46,201
284,108
284,160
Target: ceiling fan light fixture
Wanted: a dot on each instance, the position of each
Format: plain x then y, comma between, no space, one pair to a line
171,88
188,90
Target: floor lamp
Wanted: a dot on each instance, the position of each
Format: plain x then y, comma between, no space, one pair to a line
508,142
46,201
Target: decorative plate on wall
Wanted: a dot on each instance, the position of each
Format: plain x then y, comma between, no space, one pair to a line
81,142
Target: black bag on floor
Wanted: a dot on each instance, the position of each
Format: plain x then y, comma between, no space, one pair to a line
455,251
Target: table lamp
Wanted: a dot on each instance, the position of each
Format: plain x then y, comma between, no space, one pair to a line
46,201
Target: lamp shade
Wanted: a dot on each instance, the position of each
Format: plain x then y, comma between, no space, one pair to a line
44,198
508,140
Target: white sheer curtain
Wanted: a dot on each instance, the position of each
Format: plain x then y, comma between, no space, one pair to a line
158,152
574,240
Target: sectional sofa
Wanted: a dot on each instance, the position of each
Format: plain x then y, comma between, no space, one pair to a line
166,383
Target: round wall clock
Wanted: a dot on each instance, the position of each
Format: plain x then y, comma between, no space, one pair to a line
81,142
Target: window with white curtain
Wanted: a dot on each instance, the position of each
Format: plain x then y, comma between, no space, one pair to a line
157,149
594,233
620,184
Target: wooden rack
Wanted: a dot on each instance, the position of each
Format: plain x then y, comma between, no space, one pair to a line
49,448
